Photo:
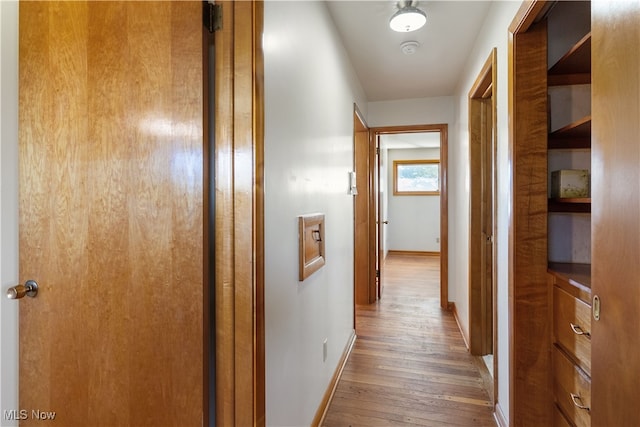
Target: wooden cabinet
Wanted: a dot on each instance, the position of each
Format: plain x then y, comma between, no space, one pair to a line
608,133
569,221
570,297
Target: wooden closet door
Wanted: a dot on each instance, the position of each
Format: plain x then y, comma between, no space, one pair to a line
616,212
111,213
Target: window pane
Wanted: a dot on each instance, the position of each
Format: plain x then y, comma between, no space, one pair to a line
417,177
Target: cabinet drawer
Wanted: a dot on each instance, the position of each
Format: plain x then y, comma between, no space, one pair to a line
558,418
569,380
568,311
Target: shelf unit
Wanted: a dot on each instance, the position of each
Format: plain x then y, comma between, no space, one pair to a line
574,67
573,205
572,136
570,282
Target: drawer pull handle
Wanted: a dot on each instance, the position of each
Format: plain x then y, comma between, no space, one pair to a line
577,329
577,401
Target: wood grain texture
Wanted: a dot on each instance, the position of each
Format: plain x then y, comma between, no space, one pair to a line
482,147
409,365
363,265
568,379
111,220
615,212
568,311
240,388
444,216
529,311
413,253
376,225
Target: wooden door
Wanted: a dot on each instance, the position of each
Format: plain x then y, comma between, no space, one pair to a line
615,210
488,171
482,206
379,219
364,266
111,212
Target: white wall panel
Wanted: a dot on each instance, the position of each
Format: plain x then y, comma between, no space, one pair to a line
414,221
405,112
310,89
8,207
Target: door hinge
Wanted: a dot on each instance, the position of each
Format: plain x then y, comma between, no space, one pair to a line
377,273
377,151
212,16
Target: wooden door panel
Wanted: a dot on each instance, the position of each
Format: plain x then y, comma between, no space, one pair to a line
111,212
615,364
379,219
362,262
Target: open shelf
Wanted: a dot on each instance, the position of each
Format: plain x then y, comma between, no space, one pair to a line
577,205
574,135
577,274
574,67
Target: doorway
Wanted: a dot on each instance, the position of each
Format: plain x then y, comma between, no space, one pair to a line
375,224
482,207
482,203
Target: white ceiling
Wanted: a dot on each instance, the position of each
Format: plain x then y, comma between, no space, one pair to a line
384,71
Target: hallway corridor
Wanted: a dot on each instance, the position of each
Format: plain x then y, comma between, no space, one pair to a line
409,365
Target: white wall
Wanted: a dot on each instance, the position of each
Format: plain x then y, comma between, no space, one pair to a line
494,33
310,89
8,207
414,221
406,112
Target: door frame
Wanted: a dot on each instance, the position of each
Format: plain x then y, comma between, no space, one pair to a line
375,133
482,220
482,158
364,268
239,206
529,359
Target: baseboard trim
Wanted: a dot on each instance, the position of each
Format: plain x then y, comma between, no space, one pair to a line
452,307
498,415
333,384
414,253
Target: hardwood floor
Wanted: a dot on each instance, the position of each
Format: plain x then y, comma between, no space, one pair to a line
409,365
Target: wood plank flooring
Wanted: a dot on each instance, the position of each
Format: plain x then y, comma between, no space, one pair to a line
409,365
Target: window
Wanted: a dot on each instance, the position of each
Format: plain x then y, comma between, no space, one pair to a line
416,177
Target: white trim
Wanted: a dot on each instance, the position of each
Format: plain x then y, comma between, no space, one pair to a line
8,207
498,415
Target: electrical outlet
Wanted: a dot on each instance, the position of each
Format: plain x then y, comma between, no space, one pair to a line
324,350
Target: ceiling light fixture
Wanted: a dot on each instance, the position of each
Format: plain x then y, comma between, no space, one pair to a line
407,18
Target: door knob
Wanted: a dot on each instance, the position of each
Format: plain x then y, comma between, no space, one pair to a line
30,289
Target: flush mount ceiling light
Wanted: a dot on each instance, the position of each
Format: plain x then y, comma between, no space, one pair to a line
407,18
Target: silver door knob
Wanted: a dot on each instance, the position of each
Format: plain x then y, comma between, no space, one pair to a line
30,289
